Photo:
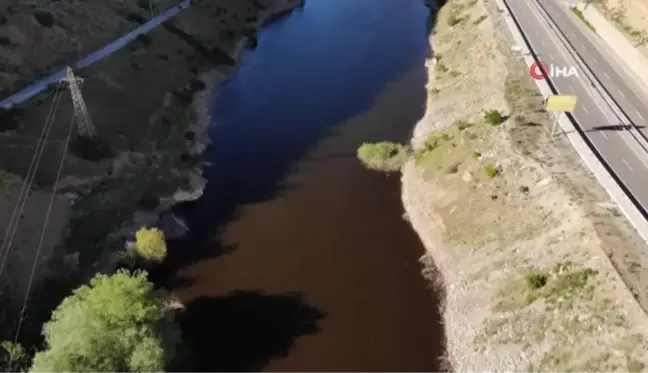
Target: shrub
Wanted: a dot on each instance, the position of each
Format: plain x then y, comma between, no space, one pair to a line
383,156
494,117
490,170
454,19
150,244
90,148
432,142
463,124
13,357
454,168
118,323
536,280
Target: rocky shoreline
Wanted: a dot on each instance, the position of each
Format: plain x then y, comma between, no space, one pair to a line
201,106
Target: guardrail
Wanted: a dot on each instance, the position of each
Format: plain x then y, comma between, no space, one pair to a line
638,135
35,88
577,127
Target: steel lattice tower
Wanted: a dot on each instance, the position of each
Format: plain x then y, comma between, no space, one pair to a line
81,116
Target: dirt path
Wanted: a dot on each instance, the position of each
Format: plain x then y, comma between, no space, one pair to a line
519,229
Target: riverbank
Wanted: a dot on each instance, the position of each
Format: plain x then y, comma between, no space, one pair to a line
156,129
539,268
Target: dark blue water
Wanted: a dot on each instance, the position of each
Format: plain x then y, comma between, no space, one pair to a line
310,72
325,267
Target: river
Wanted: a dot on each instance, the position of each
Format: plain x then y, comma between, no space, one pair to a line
304,261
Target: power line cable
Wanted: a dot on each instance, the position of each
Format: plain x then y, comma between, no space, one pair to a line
15,217
18,209
29,171
43,231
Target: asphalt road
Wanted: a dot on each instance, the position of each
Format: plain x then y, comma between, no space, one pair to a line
608,70
620,151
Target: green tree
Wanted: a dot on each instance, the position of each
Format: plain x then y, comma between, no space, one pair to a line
118,323
13,357
150,244
383,156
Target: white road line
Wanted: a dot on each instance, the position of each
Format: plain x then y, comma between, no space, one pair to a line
604,135
626,163
582,46
621,93
639,114
585,109
594,59
606,75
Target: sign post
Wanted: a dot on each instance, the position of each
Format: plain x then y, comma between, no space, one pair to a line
559,104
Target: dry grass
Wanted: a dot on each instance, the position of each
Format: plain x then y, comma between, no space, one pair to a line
519,232
631,17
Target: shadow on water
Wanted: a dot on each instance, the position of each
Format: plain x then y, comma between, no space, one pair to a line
315,78
244,330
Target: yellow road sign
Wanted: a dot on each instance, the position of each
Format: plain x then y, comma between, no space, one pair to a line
561,103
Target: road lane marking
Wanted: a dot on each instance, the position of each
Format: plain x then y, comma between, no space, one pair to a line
584,109
639,114
594,59
582,46
621,93
604,135
626,163
606,75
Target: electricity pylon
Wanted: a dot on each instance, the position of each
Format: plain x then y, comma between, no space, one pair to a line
81,116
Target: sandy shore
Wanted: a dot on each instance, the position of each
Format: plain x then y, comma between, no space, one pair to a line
536,263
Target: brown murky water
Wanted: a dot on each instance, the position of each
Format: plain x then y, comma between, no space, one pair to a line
311,265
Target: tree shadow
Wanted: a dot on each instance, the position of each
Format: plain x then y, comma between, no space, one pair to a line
245,330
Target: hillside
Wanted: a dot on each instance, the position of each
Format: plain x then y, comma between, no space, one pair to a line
140,101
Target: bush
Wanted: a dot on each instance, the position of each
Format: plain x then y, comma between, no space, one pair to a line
462,124
494,117
13,357
490,170
118,323
90,148
454,19
150,244
432,142
536,280
383,156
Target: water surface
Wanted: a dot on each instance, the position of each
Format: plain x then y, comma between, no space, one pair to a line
311,265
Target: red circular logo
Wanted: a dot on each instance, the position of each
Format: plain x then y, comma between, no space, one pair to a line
539,70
